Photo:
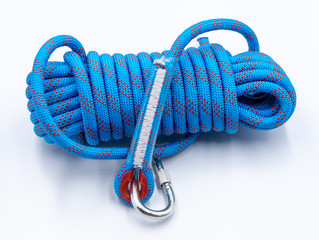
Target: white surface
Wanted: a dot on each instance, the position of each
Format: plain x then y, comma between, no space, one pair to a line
252,185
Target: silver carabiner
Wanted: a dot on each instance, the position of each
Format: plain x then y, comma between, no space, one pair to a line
165,184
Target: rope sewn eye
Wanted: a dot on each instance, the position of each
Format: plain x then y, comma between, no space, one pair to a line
89,99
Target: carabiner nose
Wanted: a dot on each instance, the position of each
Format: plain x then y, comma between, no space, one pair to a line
165,184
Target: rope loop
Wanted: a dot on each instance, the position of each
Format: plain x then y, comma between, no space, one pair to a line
89,99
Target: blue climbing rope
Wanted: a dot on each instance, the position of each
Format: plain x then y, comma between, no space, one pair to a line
88,99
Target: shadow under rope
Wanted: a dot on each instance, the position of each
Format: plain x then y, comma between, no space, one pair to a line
254,146
67,169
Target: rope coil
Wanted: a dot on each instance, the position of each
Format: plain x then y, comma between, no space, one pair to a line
90,99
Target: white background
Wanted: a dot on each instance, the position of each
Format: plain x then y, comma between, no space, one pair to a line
251,185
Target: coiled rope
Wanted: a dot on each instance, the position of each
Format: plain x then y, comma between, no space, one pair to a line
90,99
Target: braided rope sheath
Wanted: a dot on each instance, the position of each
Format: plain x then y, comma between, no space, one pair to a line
88,99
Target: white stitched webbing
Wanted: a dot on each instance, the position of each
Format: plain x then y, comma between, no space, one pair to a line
149,118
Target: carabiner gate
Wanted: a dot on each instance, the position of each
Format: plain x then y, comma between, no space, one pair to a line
165,184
